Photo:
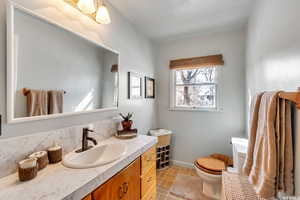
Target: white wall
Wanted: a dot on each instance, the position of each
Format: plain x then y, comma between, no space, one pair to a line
202,133
135,54
273,54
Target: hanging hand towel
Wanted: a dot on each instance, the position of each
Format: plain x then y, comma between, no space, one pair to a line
254,109
37,103
285,162
269,162
56,98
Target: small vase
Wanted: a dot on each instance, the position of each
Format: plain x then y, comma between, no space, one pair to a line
127,125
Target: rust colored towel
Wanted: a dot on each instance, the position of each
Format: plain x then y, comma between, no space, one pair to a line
56,98
269,162
37,103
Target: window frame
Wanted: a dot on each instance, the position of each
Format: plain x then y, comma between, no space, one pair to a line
173,85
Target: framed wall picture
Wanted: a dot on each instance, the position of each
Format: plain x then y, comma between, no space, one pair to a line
149,88
134,86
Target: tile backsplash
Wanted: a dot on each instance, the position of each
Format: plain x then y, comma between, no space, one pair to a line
12,150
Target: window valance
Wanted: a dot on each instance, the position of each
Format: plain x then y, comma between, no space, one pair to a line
197,62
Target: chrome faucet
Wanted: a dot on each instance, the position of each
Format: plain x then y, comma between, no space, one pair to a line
85,139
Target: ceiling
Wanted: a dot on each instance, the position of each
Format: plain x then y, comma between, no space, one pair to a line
161,19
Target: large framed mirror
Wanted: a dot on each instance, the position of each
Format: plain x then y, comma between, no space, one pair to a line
53,72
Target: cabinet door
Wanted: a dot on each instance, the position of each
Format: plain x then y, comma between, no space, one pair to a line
148,181
123,186
151,195
148,159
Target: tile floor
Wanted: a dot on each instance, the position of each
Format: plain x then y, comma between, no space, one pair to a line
166,178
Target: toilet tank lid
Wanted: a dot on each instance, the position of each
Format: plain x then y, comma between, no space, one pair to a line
239,141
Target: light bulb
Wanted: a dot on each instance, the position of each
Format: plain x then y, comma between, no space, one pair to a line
86,6
103,15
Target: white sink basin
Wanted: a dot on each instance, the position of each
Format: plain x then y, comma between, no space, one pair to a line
98,155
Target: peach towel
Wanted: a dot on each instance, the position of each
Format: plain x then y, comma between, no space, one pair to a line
37,103
269,161
254,109
56,98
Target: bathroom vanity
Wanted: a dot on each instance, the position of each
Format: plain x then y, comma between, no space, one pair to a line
131,177
134,182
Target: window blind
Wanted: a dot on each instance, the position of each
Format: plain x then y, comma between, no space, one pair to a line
197,62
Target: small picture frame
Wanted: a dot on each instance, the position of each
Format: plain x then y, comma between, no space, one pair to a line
134,86
149,88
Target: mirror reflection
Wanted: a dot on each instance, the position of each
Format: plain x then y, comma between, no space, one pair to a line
57,71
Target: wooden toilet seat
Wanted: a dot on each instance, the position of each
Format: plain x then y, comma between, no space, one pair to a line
211,165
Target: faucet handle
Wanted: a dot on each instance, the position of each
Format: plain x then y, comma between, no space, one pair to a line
88,130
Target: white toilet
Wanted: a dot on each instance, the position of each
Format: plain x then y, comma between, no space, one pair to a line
209,170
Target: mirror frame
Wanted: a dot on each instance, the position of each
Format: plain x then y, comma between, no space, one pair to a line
11,7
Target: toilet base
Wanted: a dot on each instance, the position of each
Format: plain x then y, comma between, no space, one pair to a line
212,184
212,190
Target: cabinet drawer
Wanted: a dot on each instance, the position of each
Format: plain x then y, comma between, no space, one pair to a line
148,181
123,186
148,159
151,195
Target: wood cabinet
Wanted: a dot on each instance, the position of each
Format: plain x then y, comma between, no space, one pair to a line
148,174
122,186
148,181
151,195
88,197
136,182
148,159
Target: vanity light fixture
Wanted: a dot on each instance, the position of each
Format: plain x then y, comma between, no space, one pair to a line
87,6
102,15
95,9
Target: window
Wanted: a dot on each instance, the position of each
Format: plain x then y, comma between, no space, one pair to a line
194,89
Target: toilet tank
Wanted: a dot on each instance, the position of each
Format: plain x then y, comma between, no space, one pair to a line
239,151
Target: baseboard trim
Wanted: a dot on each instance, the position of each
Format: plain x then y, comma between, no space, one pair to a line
182,163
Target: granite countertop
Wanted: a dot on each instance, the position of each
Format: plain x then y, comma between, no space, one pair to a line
58,182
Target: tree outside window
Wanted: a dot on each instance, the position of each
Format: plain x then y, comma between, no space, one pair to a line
196,88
